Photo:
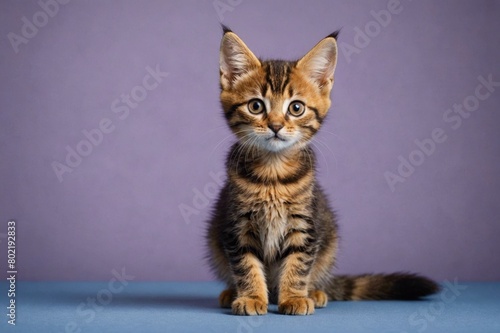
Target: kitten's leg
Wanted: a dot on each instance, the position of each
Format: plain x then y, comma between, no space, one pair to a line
293,291
247,272
251,288
320,272
297,258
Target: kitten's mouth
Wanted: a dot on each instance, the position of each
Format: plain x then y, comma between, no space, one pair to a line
276,143
275,138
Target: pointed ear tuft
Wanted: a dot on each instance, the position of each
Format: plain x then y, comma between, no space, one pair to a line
319,63
236,59
334,34
225,29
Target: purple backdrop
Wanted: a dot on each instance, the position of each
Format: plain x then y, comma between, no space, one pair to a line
108,162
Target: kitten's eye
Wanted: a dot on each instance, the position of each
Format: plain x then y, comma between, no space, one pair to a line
296,108
256,106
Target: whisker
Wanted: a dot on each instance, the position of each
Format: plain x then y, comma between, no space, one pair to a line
324,157
324,130
215,129
331,151
221,142
240,149
250,150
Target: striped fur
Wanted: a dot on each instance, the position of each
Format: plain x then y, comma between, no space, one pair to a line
272,236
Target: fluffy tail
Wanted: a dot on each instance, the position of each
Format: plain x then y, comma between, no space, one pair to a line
396,286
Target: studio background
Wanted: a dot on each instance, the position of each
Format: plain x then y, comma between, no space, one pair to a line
140,198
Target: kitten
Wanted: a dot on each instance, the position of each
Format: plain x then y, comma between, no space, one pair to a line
272,236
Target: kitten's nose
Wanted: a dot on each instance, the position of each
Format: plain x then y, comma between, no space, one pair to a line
275,127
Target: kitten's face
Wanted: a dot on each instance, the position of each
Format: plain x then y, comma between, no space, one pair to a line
275,105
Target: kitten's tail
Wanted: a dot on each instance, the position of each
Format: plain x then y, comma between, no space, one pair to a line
396,286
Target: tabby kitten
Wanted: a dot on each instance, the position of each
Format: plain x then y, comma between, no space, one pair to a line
272,236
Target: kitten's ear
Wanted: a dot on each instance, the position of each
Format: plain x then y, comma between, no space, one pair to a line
319,63
236,59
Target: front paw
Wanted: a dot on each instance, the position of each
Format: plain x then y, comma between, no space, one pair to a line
247,306
226,298
297,306
319,297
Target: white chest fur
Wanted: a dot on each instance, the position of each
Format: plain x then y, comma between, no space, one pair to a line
272,228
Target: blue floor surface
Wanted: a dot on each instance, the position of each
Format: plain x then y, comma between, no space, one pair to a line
192,307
